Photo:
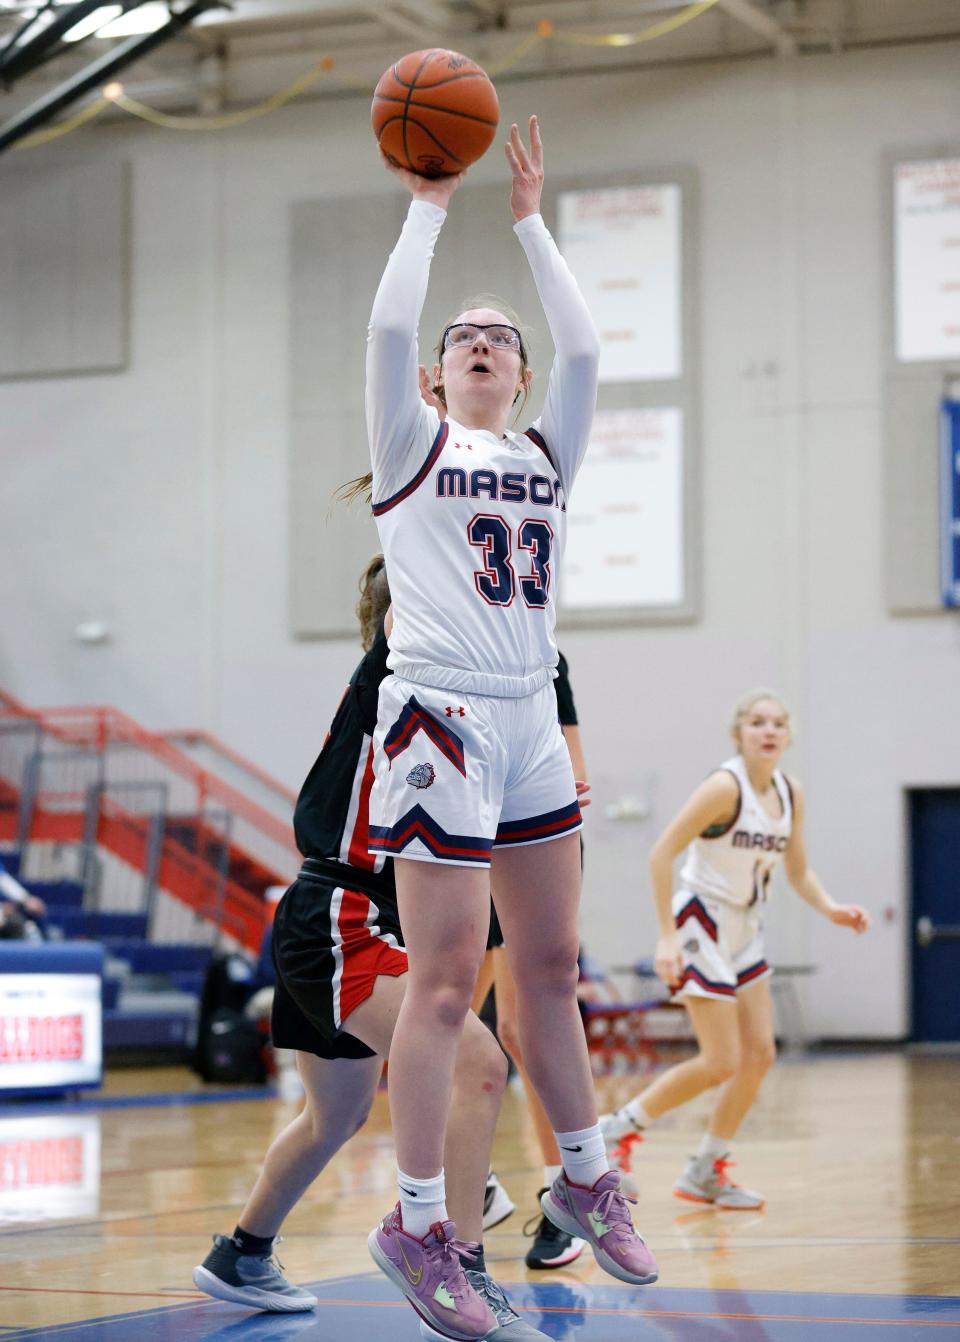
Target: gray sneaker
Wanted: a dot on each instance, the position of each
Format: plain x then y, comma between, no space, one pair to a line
706,1180
246,1279
621,1137
510,1326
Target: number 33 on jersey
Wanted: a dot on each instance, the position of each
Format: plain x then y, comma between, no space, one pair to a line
476,534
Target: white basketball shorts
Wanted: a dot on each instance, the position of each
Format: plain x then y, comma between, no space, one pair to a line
722,946
457,775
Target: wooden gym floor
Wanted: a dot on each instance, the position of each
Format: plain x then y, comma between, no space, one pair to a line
107,1204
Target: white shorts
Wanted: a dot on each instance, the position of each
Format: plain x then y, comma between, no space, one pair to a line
722,947
457,775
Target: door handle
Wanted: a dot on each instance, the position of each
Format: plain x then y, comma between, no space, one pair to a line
928,931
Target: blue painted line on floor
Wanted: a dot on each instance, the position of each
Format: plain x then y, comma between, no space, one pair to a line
163,1100
365,1308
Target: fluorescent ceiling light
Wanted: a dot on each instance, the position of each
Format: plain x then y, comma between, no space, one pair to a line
92,23
147,19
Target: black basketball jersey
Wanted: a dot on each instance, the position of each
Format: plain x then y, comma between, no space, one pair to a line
332,817
331,820
566,708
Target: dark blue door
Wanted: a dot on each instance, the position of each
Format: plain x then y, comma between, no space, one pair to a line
935,922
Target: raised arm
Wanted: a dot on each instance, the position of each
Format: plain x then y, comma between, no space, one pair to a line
571,396
395,411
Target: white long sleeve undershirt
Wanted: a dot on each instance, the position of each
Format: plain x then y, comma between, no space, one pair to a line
398,421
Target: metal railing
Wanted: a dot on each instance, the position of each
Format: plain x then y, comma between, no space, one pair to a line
95,777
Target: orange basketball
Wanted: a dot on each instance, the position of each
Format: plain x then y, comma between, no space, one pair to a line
434,112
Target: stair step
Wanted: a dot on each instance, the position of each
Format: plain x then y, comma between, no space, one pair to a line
147,958
110,926
11,860
110,994
188,980
62,894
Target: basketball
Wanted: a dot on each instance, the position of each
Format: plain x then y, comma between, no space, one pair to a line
434,112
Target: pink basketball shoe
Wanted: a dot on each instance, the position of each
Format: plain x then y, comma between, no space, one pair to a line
429,1273
600,1215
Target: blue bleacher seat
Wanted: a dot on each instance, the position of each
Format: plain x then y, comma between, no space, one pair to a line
59,894
148,958
108,927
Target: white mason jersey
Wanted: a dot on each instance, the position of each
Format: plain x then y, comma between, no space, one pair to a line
472,525
734,862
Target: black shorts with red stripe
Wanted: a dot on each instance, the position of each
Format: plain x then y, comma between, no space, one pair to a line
335,931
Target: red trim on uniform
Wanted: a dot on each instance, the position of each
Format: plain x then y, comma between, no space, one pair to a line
365,956
415,718
436,448
419,824
754,972
694,909
551,824
721,989
358,854
537,437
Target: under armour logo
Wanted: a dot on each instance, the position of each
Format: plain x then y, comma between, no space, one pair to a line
462,712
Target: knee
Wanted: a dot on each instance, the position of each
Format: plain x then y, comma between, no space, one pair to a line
759,1056
445,995
332,1125
482,1065
448,1004
721,1065
552,970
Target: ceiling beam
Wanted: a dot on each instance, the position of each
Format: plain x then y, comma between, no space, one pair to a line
96,74
395,22
427,26
747,13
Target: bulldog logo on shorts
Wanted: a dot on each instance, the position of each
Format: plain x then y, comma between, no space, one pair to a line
422,775
691,946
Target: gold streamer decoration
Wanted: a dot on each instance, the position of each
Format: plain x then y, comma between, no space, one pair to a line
226,120
648,34
39,137
544,32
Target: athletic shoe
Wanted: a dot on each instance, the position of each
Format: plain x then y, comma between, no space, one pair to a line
706,1180
551,1247
249,1279
602,1216
496,1202
620,1137
430,1274
510,1326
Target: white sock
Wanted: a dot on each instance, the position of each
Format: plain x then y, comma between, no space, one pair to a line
422,1202
637,1115
583,1154
550,1172
713,1147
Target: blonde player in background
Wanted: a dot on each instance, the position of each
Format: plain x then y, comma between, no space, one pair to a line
737,826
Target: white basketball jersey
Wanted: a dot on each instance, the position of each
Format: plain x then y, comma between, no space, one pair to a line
735,862
471,547
472,525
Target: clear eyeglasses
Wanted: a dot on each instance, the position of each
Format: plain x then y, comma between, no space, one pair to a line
498,336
